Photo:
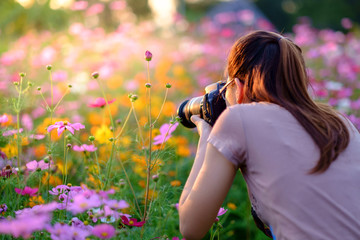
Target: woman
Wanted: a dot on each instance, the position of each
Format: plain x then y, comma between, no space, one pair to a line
300,159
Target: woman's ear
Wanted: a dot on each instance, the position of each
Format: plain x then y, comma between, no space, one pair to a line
239,91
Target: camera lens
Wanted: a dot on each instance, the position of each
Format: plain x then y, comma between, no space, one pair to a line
187,109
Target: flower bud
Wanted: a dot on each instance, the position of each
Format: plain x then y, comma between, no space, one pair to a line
30,84
69,185
130,95
48,67
39,88
69,86
118,121
168,85
111,129
86,222
46,159
155,177
134,97
111,139
16,83
148,56
38,169
148,85
68,137
22,74
49,152
68,146
177,118
95,75
91,138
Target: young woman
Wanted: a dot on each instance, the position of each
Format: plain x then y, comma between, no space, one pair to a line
300,159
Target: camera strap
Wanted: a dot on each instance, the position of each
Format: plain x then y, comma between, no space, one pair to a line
259,223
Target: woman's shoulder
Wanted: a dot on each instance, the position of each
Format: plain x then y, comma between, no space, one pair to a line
257,108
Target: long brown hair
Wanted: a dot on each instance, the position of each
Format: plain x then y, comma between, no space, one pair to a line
274,71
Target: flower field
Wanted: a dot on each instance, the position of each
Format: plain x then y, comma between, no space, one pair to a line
90,146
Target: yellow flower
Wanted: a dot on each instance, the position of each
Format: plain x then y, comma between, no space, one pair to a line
10,150
61,166
183,151
103,134
172,173
95,119
175,183
231,206
35,200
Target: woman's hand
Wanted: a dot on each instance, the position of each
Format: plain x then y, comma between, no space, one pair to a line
203,127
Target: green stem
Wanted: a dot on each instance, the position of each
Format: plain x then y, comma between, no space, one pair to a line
129,182
148,170
18,138
138,124
65,161
123,127
109,165
57,104
98,165
162,106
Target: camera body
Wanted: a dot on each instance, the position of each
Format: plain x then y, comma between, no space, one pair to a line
209,106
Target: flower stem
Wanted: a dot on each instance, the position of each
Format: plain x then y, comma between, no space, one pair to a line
18,138
98,165
138,124
148,170
162,106
130,185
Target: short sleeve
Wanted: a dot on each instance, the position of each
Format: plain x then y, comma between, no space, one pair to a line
228,136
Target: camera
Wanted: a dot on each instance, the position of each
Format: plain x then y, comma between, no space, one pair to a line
209,106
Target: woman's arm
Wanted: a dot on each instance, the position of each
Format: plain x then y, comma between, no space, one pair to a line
206,188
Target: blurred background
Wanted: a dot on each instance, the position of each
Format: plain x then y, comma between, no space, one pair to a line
189,40
19,16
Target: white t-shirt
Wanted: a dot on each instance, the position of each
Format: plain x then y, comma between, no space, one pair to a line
275,154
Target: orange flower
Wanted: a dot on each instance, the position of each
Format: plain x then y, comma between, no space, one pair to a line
231,206
35,200
175,183
40,150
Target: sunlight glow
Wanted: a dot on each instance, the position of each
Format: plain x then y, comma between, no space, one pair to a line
56,4
25,3
164,11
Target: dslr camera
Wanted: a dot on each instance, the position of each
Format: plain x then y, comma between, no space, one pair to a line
208,106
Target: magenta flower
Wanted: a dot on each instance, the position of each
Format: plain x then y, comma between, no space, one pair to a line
65,125
165,133
100,102
103,231
222,211
26,191
34,165
131,221
59,190
84,148
148,56
4,118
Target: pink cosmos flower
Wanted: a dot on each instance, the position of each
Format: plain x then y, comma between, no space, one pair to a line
12,132
82,203
27,122
131,221
34,165
165,133
84,148
148,55
37,136
4,118
24,226
100,102
103,231
63,125
115,204
26,191
79,5
95,9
